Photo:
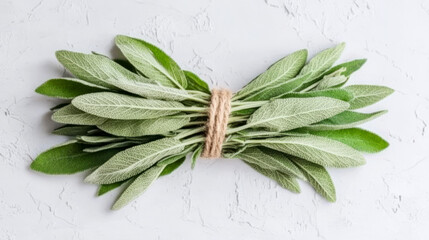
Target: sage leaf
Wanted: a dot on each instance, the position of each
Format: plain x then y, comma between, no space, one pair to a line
109,146
350,67
150,90
346,119
271,160
94,68
196,83
322,61
318,177
365,95
67,88
282,179
330,82
319,150
133,161
138,186
195,155
119,106
339,94
69,158
286,114
281,71
72,130
71,115
105,188
136,128
98,139
169,168
277,90
356,138
151,61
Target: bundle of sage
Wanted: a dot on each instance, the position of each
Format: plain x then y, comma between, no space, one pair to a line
137,119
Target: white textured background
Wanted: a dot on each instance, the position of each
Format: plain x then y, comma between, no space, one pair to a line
227,42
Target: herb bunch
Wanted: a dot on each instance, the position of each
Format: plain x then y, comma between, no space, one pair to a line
137,119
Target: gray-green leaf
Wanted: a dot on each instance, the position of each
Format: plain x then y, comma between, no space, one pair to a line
322,61
95,68
322,151
71,115
138,186
151,61
319,178
119,106
278,89
109,146
150,90
284,180
270,159
133,161
281,71
339,94
136,128
291,113
365,95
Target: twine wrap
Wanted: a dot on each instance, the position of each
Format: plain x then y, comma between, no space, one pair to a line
220,108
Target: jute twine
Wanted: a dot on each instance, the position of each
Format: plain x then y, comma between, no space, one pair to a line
220,108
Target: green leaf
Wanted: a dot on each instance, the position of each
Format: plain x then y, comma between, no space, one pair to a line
105,188
169,168
69,158
109,146
136,128
94,68
322,61
271,160
350,67
339,94
72,130
98,139
280,72
346,119
291,113
138,186
365,95
196,83
318,177
71,115
319,150
151,61
356,138
119,106
278,89
67,88
150,90
135,160
196,154
282,179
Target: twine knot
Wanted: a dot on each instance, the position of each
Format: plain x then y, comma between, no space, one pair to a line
217,122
